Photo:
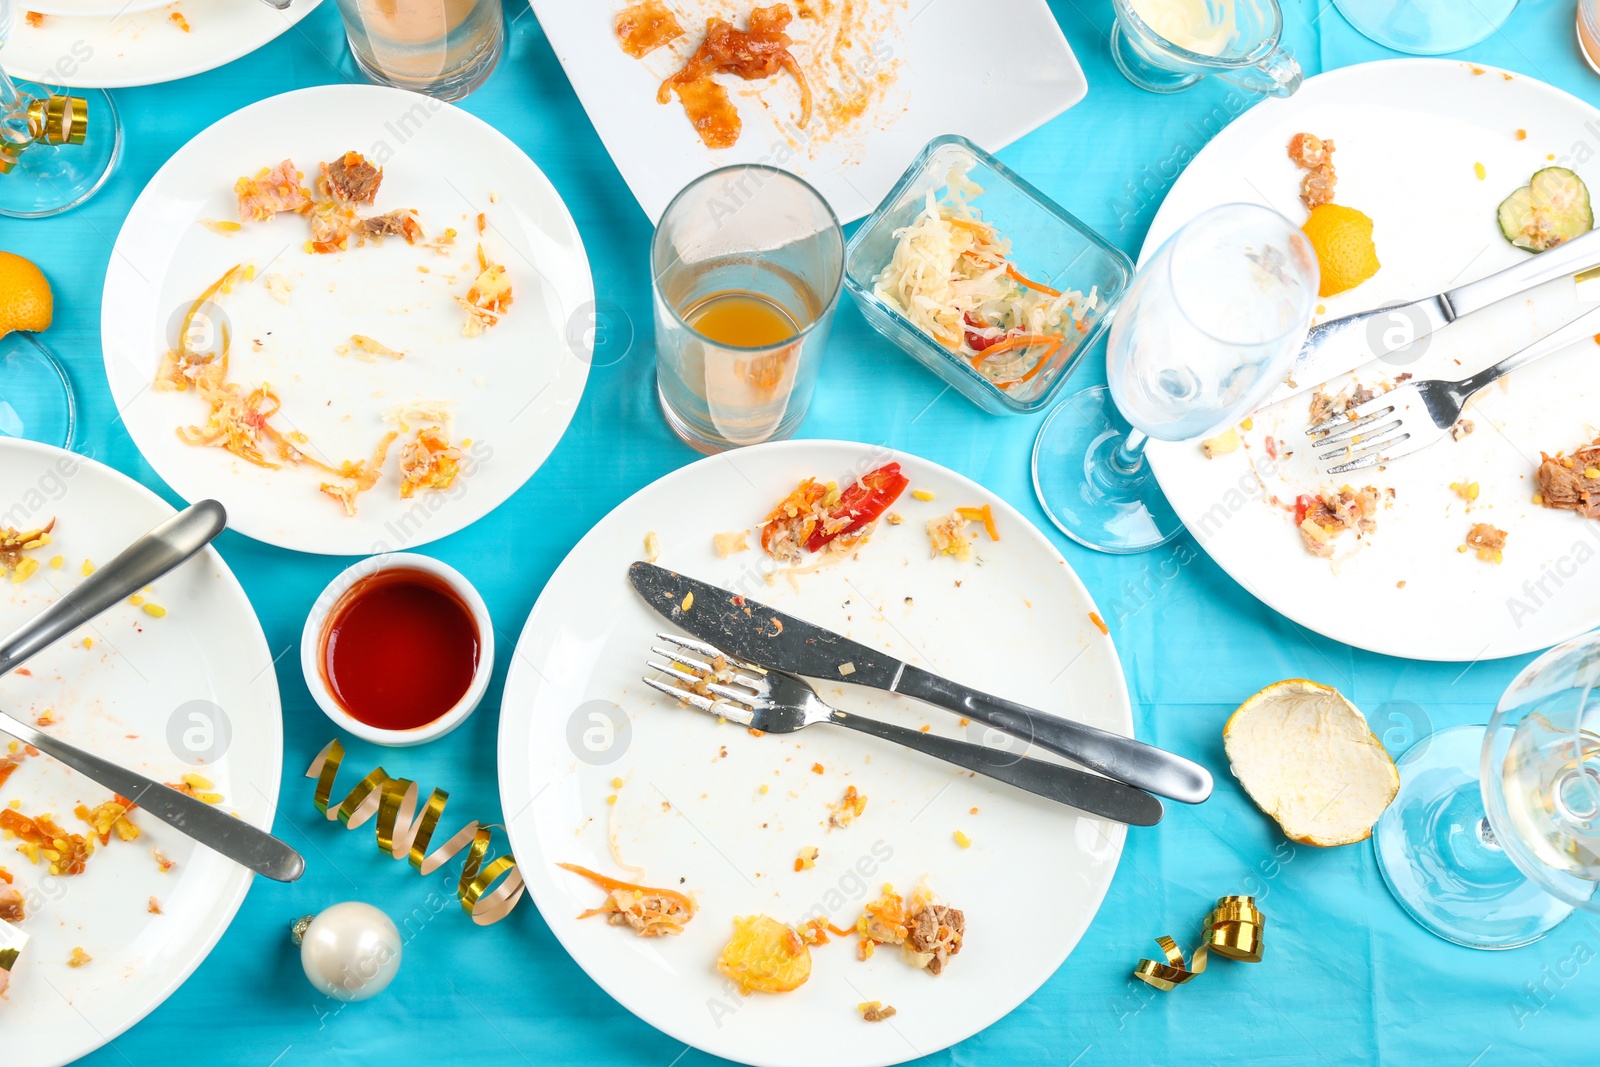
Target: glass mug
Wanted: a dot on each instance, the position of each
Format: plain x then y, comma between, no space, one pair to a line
1166,46
747,264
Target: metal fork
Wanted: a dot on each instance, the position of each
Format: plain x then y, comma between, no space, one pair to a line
776,702
1416,414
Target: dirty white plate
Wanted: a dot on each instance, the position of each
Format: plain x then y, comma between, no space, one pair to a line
691,810
101,44
190,692
1409,134
510,391
906,70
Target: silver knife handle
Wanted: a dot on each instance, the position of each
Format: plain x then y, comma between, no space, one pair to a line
1122,758
141,563
1569,257
211,826
1064,785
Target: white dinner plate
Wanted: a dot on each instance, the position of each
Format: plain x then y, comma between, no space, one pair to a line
691,811
192,692
142,45
1409,134
511,390
908,71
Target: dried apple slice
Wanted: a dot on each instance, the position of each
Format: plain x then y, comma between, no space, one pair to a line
1307,758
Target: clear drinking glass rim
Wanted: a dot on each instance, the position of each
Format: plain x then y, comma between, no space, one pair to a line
1177,299
838,283
1268,43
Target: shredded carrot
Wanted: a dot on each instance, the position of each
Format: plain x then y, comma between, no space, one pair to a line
984,515
1021,340
1094,617
1039,366
610,884
1017,276
970,224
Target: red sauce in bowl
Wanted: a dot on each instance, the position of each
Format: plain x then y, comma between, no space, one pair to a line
399,649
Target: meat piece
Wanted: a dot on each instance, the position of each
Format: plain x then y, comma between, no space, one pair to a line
271,191
1315,156
1322,407
644,27
1324,517
1462,428
1490,541
11,909
393,224
1572,483
876,1013
937,929
350,179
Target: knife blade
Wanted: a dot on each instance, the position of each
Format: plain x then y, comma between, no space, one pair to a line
750,630
1342,345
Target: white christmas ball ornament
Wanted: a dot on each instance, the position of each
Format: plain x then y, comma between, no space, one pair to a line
350,951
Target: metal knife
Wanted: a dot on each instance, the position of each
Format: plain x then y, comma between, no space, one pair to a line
156,553
1340,345
771,638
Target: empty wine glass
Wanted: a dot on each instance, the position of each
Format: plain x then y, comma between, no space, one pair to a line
1208,327
1426,27
56,148
1494,837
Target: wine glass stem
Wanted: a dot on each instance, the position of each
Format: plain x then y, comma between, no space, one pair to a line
1128,457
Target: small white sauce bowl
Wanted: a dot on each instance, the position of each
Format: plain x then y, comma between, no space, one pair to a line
311,648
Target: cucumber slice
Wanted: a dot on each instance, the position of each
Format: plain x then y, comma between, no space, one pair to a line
1553,207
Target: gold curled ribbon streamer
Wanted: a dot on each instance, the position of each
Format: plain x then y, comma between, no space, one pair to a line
1232,929
402,833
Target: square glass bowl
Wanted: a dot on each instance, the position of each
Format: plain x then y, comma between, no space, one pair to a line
1047,244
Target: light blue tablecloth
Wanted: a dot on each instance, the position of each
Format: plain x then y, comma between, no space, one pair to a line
1348,978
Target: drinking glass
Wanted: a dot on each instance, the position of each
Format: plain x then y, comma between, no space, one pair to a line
1168,45
56,149
1208,328
1494,837
444,48
36,398
1426,27
749,231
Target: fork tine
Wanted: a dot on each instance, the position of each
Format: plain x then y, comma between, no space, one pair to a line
725,709
1351,420
1340,430
688,661
1362,442
756,684
706,648
1392,449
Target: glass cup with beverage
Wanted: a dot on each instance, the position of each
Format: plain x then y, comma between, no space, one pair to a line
747,263
1168,45
444,48
1207,329
1494,837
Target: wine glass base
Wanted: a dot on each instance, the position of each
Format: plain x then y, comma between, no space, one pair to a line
36,401
1426,27
1087,498
1139,70
1439,858
50,179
